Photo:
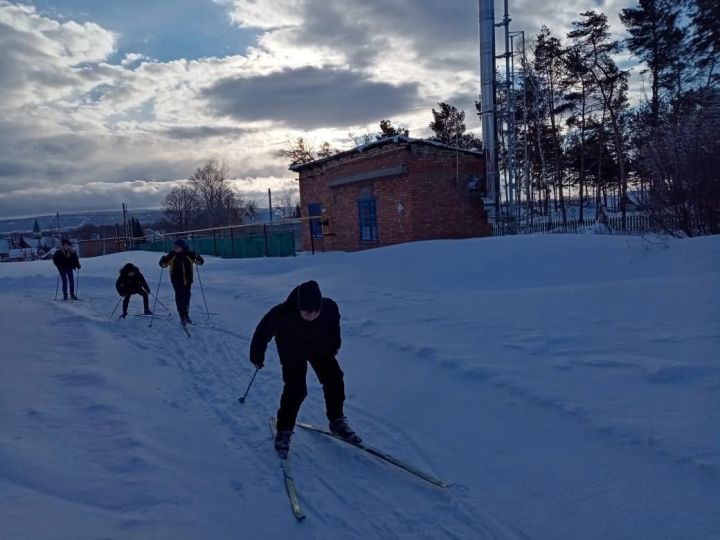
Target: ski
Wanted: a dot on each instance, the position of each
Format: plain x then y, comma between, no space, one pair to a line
289,482
381,455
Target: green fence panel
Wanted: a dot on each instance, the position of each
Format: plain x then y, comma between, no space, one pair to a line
277,245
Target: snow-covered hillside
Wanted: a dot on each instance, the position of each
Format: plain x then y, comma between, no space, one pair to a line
570,385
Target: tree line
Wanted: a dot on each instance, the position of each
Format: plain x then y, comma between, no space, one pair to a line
581,137
448,127
585,137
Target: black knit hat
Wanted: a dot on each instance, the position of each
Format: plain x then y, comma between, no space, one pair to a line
182,244
64,242
309,297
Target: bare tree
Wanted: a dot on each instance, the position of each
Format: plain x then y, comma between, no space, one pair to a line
286,203
180,205
218,203
250,211
680,161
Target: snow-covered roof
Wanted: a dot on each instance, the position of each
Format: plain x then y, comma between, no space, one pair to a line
398,139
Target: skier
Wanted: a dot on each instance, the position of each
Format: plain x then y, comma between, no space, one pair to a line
603,220
306,328
129,282
66,261
180,262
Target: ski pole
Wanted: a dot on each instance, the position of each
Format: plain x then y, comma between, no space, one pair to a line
152,317
242,399
158,301
115,309
207,311
57,286
77,283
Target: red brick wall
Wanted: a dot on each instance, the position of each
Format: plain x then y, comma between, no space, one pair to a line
433,204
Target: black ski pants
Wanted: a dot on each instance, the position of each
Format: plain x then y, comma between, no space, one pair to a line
182,299
126,300
294,374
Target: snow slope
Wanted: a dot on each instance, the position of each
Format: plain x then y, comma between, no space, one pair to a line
569,384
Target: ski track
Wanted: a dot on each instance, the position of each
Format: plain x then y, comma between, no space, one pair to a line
343,489
215,360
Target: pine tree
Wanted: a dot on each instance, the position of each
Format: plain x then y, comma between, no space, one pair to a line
656,39
449,127
549,66
580,101
705,40
387,130
591,38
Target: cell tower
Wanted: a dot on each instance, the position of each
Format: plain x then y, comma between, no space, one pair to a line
503,117
487,106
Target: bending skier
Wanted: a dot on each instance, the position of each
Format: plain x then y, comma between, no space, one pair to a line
129,282
66,260
306,328
180,262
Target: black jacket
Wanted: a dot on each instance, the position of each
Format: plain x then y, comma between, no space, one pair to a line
66,262
297,339
180,266
127,284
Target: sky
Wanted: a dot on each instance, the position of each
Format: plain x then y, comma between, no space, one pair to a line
105,102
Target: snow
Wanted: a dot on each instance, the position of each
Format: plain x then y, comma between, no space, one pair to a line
569,384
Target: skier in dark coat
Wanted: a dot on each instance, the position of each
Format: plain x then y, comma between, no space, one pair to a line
66,260
129,282
180,261
306,328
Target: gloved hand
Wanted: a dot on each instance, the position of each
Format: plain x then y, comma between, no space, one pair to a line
199,260
258,364
78,266
162,260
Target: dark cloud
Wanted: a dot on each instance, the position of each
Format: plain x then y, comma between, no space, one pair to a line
204,132
310,98
12,168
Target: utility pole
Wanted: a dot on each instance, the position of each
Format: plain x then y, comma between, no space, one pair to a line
125,225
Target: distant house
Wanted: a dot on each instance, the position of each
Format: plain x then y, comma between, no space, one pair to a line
392,191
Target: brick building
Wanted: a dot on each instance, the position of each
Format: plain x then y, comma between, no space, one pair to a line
392,191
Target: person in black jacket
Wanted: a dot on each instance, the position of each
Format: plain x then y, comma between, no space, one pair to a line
306,328
180,261
129,282
66,260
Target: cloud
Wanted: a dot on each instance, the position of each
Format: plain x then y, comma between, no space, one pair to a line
88,123
42,59
309,98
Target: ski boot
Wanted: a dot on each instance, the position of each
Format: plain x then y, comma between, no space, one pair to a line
65,296
282,443
147,311
123,316
342,429
73,297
